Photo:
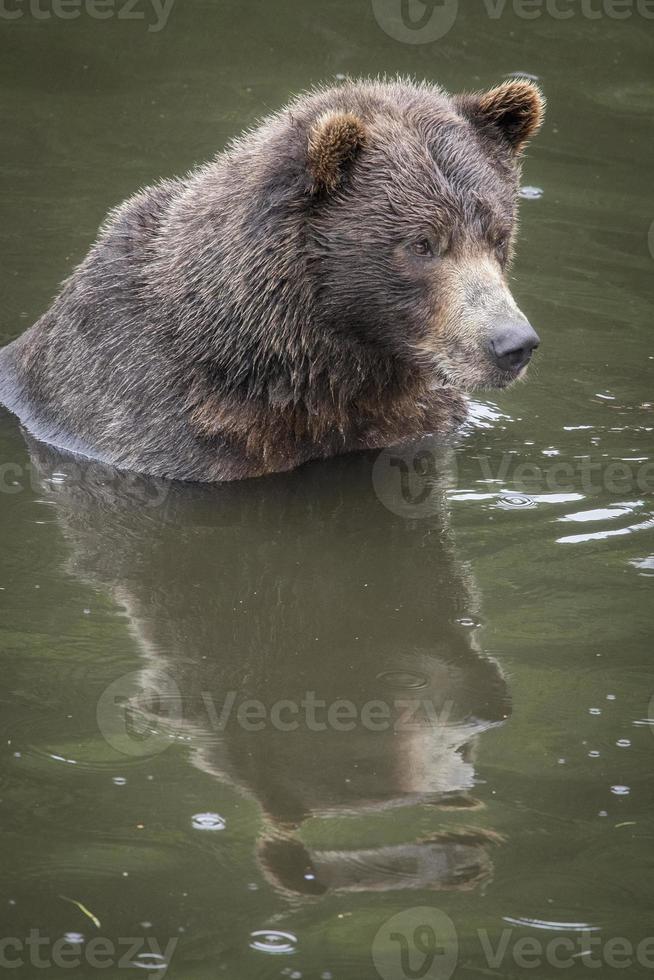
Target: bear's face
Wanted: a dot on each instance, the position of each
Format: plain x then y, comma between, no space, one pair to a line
413,227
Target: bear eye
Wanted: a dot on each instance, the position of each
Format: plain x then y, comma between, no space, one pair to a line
422,247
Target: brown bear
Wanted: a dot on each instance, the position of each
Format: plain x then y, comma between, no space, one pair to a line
333,281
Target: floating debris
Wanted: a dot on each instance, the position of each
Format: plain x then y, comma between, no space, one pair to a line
87,912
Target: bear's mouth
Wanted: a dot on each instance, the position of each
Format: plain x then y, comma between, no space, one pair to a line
511,376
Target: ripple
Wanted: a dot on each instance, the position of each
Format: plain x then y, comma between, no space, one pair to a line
273,941
551,925
403,679
150,961
512,501
600,514
646,565
603,535
208,821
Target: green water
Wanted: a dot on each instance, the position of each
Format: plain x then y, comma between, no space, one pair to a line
206,739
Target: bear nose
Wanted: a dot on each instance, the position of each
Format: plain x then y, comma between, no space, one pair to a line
512,344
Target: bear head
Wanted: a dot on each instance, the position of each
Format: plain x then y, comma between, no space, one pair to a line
412,219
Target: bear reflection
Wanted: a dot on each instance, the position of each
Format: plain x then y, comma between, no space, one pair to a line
318,648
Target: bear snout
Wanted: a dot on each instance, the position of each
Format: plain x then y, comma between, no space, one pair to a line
512,344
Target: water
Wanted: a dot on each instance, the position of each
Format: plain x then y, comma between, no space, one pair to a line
371,717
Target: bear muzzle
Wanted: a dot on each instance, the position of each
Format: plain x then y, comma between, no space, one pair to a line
512,344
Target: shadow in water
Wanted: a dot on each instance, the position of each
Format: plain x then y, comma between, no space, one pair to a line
310,647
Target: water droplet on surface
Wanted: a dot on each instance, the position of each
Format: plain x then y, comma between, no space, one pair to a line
208,821
273,941
511,501
150,961
402,679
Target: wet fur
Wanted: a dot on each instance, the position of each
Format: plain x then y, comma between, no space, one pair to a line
256,314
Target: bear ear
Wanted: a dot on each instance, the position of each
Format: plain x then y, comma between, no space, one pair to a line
514,108
334,141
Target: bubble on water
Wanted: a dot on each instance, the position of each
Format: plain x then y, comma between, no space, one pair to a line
119,780
273,941
594,711
74,938
149,961
623,743
594,754
603,813
530,193
513,501
404,679
610,697
620,790
468,622
208,821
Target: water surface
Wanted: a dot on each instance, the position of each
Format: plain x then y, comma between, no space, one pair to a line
252,724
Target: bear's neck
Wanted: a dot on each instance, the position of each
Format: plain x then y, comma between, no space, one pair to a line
322,402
